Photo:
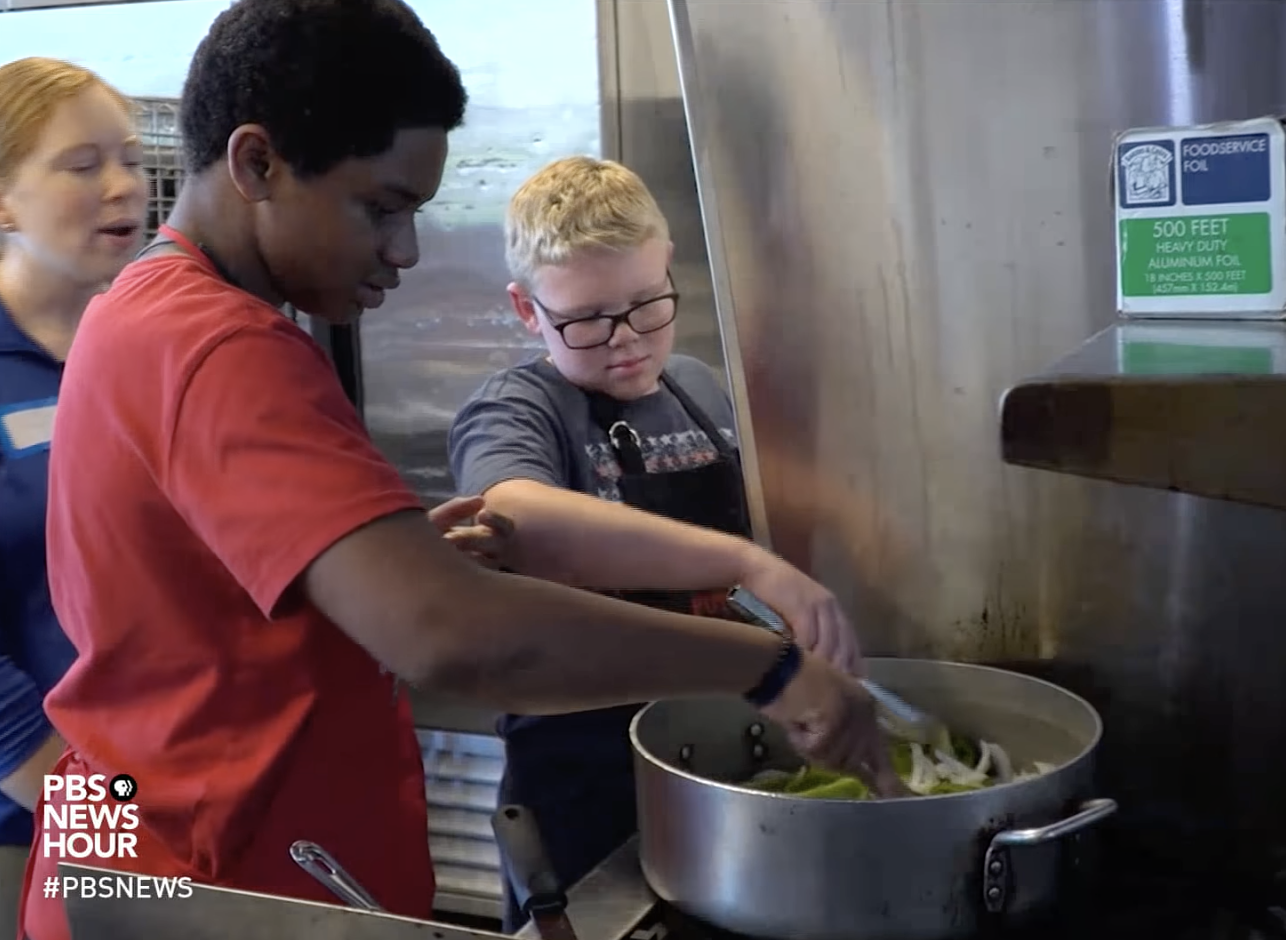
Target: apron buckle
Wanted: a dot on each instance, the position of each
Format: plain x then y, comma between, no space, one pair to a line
622,426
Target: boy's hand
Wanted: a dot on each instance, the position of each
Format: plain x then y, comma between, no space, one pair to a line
811,611
473,529
830,720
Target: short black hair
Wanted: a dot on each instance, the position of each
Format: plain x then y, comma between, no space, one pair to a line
327,79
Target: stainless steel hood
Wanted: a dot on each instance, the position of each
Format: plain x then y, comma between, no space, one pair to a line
906,210
1192,407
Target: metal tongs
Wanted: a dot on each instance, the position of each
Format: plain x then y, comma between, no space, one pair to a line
319,863
897,717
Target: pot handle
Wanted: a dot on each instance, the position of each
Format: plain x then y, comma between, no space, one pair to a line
522,852
996,865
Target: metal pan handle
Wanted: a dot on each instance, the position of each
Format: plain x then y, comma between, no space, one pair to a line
319,863
756,611
997,866
535,886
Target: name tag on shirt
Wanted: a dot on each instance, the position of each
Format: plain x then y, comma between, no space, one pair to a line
27,427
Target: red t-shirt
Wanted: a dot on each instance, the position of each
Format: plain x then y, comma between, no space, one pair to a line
205,455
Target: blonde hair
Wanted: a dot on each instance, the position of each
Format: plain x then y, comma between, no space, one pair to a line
577,205
30,90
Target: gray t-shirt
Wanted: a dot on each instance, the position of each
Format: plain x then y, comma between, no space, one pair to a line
530,423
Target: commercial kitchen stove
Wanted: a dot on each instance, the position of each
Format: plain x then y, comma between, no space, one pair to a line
1186,890
1112,891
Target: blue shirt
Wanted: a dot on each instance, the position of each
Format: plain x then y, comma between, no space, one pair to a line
34,651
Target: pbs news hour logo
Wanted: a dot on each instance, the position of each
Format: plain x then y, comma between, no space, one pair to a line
89,817
97,819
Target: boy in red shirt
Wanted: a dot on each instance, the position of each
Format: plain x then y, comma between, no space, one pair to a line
237,565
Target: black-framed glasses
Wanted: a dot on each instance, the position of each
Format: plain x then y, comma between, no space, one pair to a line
647,316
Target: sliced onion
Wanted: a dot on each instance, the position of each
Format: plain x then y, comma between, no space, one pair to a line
984,759
923,777
1039,769
999,757
957,772
914,782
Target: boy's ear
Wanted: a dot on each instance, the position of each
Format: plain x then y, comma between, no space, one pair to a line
526,310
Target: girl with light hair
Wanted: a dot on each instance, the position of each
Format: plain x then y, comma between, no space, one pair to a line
72,204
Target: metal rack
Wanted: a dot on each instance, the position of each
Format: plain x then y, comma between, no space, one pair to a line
461,783
158,131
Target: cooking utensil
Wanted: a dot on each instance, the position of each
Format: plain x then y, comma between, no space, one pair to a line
535,886
924,868
319,863
898,717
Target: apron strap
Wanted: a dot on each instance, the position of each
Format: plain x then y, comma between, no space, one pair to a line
182,245
161,241
607,413
717,440
720,443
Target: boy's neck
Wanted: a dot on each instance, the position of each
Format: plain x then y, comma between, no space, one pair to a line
211,213
549,360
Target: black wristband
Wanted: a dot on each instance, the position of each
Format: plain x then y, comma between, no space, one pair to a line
778,675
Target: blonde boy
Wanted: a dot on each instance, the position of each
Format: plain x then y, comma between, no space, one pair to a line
617,461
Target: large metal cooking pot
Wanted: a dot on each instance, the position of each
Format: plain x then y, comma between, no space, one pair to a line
925,868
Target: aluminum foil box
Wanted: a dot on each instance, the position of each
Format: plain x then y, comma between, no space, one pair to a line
1200,221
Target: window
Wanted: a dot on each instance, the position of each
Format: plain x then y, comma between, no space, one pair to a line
141,48
531,69
158,130
533,82
110,39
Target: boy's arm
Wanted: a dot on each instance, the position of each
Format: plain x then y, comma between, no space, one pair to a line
563,536
332,521
506,445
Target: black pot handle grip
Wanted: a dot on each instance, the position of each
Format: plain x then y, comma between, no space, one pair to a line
522,852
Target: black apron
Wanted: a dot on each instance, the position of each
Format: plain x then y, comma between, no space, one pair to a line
575,772
164,241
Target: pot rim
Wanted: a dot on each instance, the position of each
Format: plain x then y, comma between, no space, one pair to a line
1060,770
